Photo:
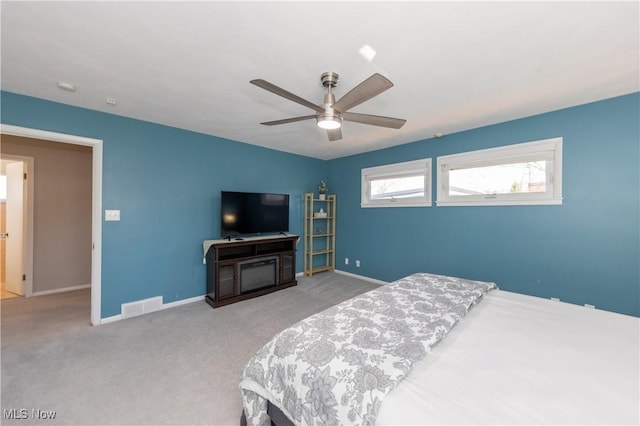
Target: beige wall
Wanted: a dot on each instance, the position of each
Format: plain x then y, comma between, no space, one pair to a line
62,211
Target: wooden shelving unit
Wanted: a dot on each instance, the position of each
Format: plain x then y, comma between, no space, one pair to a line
319,234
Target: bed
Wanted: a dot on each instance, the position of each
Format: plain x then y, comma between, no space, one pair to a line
431,349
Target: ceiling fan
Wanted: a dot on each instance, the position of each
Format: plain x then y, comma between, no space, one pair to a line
330,114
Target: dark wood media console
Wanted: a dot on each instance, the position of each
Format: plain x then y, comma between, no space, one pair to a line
252,267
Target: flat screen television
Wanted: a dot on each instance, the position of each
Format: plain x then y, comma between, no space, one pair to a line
246,213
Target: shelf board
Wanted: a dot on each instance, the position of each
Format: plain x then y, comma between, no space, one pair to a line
322,268
322,235
323,251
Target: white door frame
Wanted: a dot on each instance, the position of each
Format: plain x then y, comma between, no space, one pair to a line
96,203
27,257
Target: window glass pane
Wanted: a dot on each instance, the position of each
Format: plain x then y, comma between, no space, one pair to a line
406,184
526,177
397,187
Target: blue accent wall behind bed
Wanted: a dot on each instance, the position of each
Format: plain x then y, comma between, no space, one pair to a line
584,251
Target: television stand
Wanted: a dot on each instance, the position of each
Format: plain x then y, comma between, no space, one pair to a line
247,268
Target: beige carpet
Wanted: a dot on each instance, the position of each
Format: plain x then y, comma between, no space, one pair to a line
180,366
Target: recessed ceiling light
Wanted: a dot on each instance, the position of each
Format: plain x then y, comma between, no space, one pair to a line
66,86
367,52
439,135
110,101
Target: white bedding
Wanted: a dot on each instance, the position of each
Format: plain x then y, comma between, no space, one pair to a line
337,366
519,359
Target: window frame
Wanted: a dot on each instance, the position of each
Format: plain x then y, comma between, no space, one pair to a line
420,167
549,150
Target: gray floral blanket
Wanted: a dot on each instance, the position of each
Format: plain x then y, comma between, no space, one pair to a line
335,367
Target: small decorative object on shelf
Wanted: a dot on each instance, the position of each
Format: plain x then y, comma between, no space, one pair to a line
321,214
319,233
322,190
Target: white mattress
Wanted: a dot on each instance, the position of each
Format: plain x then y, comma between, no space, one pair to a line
519,359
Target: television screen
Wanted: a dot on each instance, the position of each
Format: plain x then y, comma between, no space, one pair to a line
243,213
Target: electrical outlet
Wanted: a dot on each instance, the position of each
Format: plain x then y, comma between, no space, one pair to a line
357,263
346,260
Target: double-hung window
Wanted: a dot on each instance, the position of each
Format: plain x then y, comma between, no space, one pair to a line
405,184
526,173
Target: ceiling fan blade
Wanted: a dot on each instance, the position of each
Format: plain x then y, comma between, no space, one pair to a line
334,134
288,120
374,120
288,95
364,91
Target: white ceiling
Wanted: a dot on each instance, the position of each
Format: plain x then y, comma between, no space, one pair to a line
455,65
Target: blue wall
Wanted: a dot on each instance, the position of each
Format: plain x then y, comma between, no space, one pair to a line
167,184
584,251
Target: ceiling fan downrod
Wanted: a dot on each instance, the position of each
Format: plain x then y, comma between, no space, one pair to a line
330,118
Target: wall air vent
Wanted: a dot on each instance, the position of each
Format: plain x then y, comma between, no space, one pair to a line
140,307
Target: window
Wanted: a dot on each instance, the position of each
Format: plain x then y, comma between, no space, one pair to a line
526,173
397,185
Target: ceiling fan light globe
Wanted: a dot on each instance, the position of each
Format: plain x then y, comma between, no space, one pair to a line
329,120
329,123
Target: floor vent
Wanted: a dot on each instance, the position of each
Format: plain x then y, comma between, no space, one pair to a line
140,307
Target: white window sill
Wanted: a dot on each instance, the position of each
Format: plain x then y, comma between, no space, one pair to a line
554,201
395,204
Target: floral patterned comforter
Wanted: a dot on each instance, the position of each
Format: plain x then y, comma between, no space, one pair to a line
335,367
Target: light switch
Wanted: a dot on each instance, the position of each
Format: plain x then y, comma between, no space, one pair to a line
112,215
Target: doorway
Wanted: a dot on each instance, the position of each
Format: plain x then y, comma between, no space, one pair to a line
96,203
16,225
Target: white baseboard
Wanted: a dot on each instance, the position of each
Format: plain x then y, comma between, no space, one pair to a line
110,319
164,306
362,277
60,290
182,302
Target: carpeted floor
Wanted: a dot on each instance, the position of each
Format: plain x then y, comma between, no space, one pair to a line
179,366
